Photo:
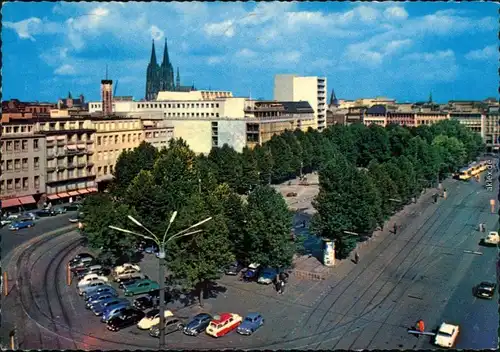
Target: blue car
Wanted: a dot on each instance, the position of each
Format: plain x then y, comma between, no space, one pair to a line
100,289
267,276
114,311
18,225
100,307
94,299
250,324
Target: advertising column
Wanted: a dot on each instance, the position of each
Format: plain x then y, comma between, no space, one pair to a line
328,253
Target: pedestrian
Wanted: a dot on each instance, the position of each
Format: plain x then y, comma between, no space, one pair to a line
356,257
303,223
484,228
435,197
282,287
421,325
395,228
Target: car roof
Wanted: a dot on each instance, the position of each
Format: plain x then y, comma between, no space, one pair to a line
447,328
486,283
253,266
253,315
202,315
222,317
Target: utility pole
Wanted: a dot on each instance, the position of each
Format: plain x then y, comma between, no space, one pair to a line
301,166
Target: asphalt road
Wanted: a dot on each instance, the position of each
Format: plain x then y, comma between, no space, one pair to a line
12,239
420,273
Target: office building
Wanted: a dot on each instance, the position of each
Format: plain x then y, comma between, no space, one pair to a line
310,89
491,129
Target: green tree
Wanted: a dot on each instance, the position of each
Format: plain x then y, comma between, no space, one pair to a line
197,260
99,212
269,226
130,163
373,144
283,158
206,171
342,137
386,187
296,152
265,162
228,165
307,150
452,151
425,159
399,138
250,171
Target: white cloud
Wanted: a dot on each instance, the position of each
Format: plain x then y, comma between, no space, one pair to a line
486,53
65,70
156,33
245,52
395,13
221,29
438,66
213,60
30,27
367,13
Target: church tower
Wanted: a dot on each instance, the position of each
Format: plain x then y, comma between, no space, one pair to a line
152,76
166,71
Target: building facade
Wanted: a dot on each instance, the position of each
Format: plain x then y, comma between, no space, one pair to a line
491,129
22,182
401,118
107,96
69,153
430,118
471,120
310,89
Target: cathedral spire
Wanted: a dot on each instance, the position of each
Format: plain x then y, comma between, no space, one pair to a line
430,97
166,59
153,54
333,98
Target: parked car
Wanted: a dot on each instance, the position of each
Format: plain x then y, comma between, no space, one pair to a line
485,290
267,276
172,324
45,213
143,286
291,194
115,311
446,335
198,324
85,290
80,256
129,318
90,278
234,269
5,221
97,298
250,324
99,308
83,262
59,210
30,216
252,272
121,268
131,280
76,218
101,289
92,269
151,300
127,274
152,318
19,225
223,324
71,207
151,249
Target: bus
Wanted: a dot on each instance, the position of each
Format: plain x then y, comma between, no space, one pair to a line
472,170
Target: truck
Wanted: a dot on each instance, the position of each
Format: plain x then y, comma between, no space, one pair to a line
491,240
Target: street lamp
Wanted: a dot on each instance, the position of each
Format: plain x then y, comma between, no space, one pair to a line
161,256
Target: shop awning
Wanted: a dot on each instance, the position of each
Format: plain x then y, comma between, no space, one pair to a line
71,147
73,193
63,195
7,203
92,189
52,196
27,200
83,191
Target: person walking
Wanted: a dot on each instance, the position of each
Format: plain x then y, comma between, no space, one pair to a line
356,257
395,228
282,287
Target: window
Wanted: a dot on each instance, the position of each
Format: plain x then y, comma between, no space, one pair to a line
217,105
9,184
2,186
36,162
105,140
99,140
17,164
128,138
99,171
9,146
111,168
25,183
70,173
116,139
123,138
25,164
9,164
17,145
105,170
18,183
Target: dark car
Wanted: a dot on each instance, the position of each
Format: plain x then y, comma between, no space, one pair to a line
151,300
72,207
198,324
172,324
251,273
126,319
130,280
45,213
234,269
485,290
80,256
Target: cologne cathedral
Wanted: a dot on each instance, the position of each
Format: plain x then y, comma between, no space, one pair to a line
161,77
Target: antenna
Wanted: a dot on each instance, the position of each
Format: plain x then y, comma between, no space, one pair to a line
106,71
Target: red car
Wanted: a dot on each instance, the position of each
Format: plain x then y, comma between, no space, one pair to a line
223,324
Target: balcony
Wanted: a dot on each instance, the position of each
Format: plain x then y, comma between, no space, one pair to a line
51,143
51,156
51,168
61,143
80,165
71,178
71,165
90,164
89,141
89,151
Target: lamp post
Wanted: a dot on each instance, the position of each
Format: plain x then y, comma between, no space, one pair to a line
161,256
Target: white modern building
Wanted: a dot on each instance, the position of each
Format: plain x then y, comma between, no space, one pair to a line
311,89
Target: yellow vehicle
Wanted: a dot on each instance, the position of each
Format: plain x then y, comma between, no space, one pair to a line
473,170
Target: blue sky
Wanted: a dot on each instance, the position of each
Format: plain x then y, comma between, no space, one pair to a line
400,50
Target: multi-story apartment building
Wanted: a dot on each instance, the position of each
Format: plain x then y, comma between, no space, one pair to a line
471,119
311,89
430,117
355,114
336,116
402,118
376,115
70,150
491,129
22,182
204,124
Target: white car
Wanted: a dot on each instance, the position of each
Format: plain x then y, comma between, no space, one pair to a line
120,269
83,290
91,278
446,335
152,318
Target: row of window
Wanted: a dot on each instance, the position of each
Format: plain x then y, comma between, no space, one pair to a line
69,187
17,129
107,126
19,145
192,114
72,161
19,164
18,184
129,137
68,174
103,170
166,105
56,126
